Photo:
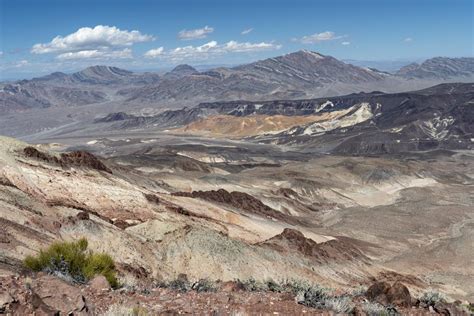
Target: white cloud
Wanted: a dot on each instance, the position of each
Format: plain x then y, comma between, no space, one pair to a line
21,63
408,40
153,53
195,34
1,53
244,32
346,43
233,46
96,54
211,48
318,37
98,38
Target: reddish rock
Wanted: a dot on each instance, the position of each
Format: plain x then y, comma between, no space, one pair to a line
385,294
292,240
399,295
84,159
61,296
76,158
99,283
377,292
240,200
448,309
232,286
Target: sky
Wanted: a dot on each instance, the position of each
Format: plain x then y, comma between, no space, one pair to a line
42,36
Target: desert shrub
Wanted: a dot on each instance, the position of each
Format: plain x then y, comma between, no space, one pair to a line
122,310
430,298
359,291
72,261
103,264
311,296
373,309
180,284
252,285
204,285
339,304
274,286
469,308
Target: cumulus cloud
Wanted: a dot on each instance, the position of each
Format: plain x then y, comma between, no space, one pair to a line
233,46
408,40
153,53
96,54
195,34
87,39
211,48
318,37
244,32
346,43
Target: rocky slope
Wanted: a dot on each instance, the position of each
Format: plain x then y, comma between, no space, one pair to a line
439,68
44,197
337,222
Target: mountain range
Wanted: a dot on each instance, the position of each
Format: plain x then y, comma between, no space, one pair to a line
440,117
303,74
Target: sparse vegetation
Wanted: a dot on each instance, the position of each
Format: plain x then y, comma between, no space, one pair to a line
182,284
252,285
72,261
306,294
376,309
122,310
430,298
204,285
359,291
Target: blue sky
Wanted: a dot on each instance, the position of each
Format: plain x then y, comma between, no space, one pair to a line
148,35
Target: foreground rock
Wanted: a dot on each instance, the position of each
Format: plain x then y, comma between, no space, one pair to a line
385,294
43,295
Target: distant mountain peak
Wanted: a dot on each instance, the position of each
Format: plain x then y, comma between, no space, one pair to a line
439,68
311,53
184,68
103,69
181,71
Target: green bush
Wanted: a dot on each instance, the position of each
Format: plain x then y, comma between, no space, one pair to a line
71,259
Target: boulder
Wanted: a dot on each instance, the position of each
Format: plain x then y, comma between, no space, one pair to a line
448,309
385,294
99,283
60,296
377,292
358,311
399,295
5,300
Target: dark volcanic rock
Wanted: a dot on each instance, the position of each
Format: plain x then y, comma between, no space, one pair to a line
377,292
384,293
239,200
291,240
75,158
83,159
399,295
113,117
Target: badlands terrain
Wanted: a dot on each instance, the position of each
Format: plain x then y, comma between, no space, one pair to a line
251,187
